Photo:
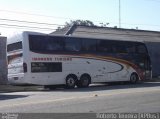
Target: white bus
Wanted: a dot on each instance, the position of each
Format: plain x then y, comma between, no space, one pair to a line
48,60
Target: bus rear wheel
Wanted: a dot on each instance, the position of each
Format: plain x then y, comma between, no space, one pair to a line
71,81
134,78
84,81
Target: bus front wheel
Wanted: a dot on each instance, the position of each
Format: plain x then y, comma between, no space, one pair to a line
71,81
134,78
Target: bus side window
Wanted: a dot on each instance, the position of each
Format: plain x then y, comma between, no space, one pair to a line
72,44
130,48
36,43
141,49
120,47
89,45
54,44
104,46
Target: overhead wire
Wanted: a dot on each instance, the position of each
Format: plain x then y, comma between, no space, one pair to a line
40,23
33,14
61,18
60,25
23,26
11,25
49,16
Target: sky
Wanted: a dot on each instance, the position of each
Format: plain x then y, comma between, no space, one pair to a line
141,14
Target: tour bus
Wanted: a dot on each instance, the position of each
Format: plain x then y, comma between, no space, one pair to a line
48,60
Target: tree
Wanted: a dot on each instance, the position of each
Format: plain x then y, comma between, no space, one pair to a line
77,22
104,24
80,22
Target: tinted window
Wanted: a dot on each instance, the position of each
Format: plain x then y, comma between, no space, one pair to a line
89,45
54,44
130,47
72,44
46,67
36,43
141,49
119,47
14,46
104,46
45,43
123,47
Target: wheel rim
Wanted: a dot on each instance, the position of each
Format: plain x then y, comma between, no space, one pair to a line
85,81
133,78
71,82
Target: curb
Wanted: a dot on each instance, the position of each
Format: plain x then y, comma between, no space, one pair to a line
153,80
12,88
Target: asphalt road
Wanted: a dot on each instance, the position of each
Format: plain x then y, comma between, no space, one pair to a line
139,98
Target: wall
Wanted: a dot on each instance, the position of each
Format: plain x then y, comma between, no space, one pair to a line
3,60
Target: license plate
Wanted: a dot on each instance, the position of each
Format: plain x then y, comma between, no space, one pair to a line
15,78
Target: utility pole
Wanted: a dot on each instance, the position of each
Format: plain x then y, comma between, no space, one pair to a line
119,13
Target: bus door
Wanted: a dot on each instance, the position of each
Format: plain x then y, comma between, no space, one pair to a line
147,68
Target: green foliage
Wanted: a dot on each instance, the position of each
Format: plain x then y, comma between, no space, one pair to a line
79,22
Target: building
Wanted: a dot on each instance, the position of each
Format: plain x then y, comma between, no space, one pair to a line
3,60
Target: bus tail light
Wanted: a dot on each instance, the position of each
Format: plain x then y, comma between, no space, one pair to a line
24,67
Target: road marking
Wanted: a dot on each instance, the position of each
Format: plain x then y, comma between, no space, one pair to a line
73,98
